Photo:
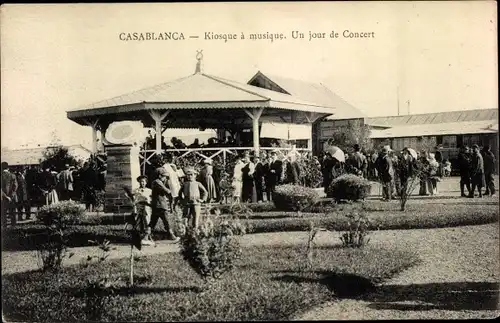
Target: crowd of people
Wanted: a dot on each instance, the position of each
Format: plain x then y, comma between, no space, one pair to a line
393,170
254,178
476,171
31,187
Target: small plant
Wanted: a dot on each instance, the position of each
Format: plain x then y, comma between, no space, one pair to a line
212,249
97,295
104,252
240,210
56,219
313,232
349,187
290,197
97,292
410,177
358,229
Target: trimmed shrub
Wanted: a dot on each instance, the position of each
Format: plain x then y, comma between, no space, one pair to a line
349,187
294,197
56,218
61,214
212,250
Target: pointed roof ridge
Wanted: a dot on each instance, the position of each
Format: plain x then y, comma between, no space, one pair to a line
315,91
260,73
222,80
272,95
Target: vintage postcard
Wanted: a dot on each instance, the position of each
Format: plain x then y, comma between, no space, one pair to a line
249,161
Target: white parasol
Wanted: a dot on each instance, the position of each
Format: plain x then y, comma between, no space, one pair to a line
412,152
336,153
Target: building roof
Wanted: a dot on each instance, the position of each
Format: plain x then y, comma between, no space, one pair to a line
436,129
313,92
31,156
434,118
199,91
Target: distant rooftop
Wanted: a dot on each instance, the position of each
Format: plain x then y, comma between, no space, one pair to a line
434,118
438,129
33,156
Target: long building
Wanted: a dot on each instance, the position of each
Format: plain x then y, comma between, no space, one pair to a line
447,130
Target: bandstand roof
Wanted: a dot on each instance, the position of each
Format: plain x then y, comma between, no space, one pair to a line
191,99
316,92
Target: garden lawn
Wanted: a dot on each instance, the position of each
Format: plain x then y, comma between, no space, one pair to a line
268,283
383,216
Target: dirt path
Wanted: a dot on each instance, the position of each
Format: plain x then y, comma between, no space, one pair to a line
457,279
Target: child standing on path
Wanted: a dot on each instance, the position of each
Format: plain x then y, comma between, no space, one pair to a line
160,201
192,194
142,208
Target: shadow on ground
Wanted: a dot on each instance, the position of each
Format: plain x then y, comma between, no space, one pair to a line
341,284
454,296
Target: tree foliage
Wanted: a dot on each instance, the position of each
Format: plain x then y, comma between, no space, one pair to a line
354,132
56,157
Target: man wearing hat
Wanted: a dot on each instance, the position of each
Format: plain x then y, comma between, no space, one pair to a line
9,196
489,169
207,179
160,202
386,172
464,168
477,171
192,194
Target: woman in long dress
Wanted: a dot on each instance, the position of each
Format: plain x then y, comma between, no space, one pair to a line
238,180
48,187
206,178
173,183
434,174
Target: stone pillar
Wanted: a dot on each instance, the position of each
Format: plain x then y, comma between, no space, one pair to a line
123,169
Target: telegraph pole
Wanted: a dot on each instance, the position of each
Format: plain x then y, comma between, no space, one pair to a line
408,102
397,93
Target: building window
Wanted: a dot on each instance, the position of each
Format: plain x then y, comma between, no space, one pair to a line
470,140
449,142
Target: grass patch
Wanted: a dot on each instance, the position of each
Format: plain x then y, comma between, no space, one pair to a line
383,215
268,283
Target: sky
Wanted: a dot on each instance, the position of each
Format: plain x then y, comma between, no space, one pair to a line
441,55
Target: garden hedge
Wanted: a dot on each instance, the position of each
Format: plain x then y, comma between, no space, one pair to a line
384,216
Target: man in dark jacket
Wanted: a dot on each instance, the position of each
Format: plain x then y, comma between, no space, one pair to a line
489,169
357,161
9,195
160,203
405,170
477,171
275,170
464,168
258,175
22,195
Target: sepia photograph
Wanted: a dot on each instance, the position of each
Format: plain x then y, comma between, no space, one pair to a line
249,161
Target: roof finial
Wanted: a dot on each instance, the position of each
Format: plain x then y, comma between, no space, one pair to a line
199,57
